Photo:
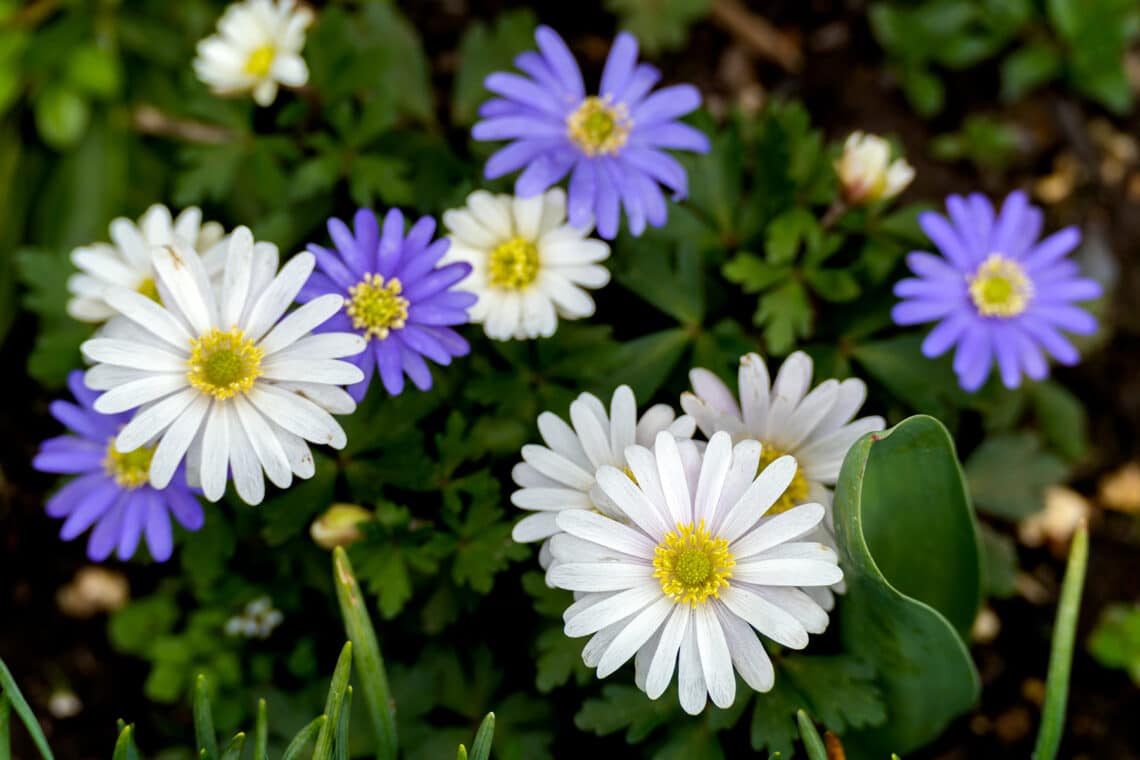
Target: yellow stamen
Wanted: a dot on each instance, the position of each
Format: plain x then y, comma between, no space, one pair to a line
224,364
376,306
1000,287
692,565
598,126
149,289
796,492
513,265
130,470
260,61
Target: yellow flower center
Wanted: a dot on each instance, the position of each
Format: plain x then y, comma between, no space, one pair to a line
796,492
1000,287
130,470
376,306
260,61
149,289
223,364
513,265
598,126
692,565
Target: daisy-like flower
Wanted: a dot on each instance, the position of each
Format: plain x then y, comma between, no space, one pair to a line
997,293
528,267
221,375
612,144
125,263
560,475
816,427
866,172
257,48
697,567
397,297
111,491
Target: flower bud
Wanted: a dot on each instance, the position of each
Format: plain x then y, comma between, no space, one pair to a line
339,525
866,171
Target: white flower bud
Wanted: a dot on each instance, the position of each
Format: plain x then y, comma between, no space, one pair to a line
866,171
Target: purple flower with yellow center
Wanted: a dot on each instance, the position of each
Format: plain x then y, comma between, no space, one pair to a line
396,297
112,491
612,144
997,292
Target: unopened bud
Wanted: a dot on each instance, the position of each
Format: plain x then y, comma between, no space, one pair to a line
339,525
866,171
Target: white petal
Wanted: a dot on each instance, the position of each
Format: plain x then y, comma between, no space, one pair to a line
623,420
183,274
636,632
716,662
674,483
297,415
546,499
765,617
329,371
152,420
557,467
690,676
331,398
535,527
792,382
265,443
748,655
561,438
632,502
600,576
149,315
777,530
768,487
606,532
492,212
665,656
176,440
296,451
789,572
754,399
712,390
273,302
139,392
592,433
714,471
248,481
798,604
131,355
237,276
612,609
326,345
215,453
809,414
305,320
528,216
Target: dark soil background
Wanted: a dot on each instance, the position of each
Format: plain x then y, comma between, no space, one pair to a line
845,85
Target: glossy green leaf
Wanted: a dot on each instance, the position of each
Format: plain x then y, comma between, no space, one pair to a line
1061,654
10,694
481,747
905,524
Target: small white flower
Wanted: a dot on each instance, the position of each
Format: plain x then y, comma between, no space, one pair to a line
560,475
126,262
257,47
528,266
816,428
697,564
220,374
257,620
866,171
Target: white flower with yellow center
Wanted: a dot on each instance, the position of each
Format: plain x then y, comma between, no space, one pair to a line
866,172
125,262
560,475
257,47
528,266
221,375
695,569
816,428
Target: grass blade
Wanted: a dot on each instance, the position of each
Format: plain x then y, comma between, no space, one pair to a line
11,695
261,733
204,721
371,677
234,748
337,690
5,729
481,747
1061,655
340,746
462,754
125,745
303,737
813,744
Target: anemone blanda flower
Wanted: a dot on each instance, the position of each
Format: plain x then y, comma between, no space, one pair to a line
125,262
221,375
560,475
997,292
256,49
398,297
528,266
612,144
697,567
111,490
866,171
816,427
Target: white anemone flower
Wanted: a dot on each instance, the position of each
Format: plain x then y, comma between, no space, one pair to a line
257,48
560,475
866,172
816,428
125,262
696,569
220,374
529,268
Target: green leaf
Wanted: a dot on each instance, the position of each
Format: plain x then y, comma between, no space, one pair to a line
1027,68
94,71
625,707
904,524
999,562
62,116
813,744
659,24
373,679
924,90
338,688
205,738
786,316
1061,654
261,733
10,695
303,738
840,690
380,178
234,748
341,740
1062,419
753,274
486,48
925,385
481,747
1115,642
675,288
644,363
1009,473
56,353
835,285
125,744
772,726
788,232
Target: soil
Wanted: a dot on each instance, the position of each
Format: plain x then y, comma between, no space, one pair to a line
846,86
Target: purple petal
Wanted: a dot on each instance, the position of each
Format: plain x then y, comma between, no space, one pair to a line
661,167
946,238
107,532
416,368
367,363
983,213
666,104
367,232
64,501
968,230
642,81
1008,357
320,284
452,341
535,66
916,312
935,290
945,334
134,519
388,362
560,60
520,153
1028,233
91,508
456,300
526,91
619,67
513,127
391,241
346,244
652,198
431,314
158,534
418,339
439,279
583,191
1032,360
608,208
332,265
931,267
413,267
499,107
1069,318
187,510
544,171
68,454
1050,339
84,395
974,358
631,200
1069,290
1010,222
80,421
675,135
1052,248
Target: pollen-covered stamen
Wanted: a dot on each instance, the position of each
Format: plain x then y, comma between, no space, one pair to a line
130,470
260,61
1000,287
376,306
224,364
691,564
797,491
513,265
598,126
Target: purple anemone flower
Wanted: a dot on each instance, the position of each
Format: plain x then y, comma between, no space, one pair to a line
395,296
612,144
996,292
112,490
